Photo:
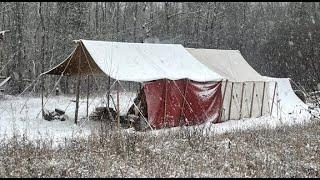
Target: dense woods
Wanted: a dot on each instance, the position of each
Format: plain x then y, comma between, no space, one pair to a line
276,38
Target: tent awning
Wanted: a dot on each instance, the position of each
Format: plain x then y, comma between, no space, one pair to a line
137,62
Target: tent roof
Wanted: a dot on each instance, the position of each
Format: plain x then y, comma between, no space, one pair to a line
134,62
227,63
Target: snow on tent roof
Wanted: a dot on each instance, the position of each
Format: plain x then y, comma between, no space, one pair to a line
227,63
134,62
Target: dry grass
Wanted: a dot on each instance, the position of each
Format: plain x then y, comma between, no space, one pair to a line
283,152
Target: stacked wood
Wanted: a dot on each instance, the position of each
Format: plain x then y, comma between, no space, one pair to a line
137,122
102,113
137,114
57,114
134,121
139,108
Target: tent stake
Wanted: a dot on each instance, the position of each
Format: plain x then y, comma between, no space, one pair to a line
264,88
241,101
230,101
254,84
88,93
274,92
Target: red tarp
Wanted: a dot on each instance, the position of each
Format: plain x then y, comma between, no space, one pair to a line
182,102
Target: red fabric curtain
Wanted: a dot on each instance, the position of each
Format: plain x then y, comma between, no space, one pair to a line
182,102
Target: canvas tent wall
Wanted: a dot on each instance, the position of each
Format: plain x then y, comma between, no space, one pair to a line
246,91
182,102
141,62
286,102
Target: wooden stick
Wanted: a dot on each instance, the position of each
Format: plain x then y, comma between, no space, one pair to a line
264,88
108,98
77,93
230,101
118,106
224,93
77,100
165,103
183,100
274,92
88,93
254,84
42,89
241,100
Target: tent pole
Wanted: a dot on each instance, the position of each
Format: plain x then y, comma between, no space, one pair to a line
42,89
88,93
77,93
224,93
165,103
274,92
108,94
254,84
264,88
77,100
183,101
118,106
230,101
241,101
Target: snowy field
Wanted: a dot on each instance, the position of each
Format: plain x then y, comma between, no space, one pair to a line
22,115
269,146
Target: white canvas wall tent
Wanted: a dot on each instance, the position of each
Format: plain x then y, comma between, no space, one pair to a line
135,62
247,94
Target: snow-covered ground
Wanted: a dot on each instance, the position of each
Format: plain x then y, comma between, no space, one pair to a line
248,123
22,115
19,115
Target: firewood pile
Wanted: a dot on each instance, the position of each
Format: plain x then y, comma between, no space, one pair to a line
138,112
57,114
102,113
